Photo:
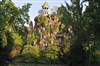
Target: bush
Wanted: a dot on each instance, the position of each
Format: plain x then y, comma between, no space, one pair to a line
30,53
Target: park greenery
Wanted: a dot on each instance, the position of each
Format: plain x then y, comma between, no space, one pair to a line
80,30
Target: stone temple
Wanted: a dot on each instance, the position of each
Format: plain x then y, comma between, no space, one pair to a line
47,29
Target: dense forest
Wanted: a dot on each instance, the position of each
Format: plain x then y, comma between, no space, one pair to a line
68,35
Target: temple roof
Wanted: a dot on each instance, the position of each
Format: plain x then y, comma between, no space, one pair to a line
45,5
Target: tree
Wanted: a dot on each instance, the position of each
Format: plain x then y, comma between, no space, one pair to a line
82,36
11,18
92,15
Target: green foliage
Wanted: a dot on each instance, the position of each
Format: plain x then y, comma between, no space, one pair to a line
52,52
79,48
17,39
40,19
12,20
16,51
30,53
83,36
4,40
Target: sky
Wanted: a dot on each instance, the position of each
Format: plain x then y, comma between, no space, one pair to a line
36,5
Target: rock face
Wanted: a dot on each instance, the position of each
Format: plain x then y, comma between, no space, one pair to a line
47,26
